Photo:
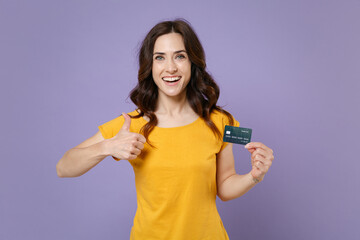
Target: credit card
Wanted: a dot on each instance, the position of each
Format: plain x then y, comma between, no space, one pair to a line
237,135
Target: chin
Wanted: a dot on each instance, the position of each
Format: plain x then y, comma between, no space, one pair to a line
172,94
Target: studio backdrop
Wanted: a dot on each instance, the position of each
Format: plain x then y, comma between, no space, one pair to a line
287,69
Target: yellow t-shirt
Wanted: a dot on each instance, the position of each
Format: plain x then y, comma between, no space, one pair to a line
176,183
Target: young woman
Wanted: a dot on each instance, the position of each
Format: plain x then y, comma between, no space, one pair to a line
173,140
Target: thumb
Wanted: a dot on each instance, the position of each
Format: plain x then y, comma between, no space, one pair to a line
127,122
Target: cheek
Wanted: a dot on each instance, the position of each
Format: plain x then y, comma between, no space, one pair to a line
155,71
188,70
185,67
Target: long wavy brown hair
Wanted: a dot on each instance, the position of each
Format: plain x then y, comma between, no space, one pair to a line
202,92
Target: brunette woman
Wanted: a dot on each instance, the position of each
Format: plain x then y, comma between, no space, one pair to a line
173,140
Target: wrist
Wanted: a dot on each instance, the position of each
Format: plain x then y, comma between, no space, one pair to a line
104,147
254,179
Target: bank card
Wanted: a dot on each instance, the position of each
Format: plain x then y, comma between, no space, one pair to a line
237,135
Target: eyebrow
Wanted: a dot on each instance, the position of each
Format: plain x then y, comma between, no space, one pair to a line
161,53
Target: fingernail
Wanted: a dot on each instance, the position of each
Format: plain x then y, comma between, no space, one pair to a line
246,146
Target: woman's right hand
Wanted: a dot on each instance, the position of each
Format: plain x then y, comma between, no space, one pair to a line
126,145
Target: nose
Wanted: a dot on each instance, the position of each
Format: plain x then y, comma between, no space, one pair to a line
171,66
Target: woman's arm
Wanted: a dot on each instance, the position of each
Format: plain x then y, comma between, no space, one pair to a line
231,185
83,157
80,159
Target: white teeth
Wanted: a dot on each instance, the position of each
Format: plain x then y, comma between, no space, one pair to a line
171,79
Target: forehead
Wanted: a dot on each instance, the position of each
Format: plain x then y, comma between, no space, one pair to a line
170,42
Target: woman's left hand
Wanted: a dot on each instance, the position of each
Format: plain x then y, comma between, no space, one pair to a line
261,159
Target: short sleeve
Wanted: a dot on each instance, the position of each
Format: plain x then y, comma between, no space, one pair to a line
111,128
226,122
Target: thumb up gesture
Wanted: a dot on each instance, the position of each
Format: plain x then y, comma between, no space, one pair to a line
126,145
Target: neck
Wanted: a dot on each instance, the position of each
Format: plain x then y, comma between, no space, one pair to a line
172,106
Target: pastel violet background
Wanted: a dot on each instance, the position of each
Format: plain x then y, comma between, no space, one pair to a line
287,69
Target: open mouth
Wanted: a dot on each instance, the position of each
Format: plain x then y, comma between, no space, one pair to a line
171,79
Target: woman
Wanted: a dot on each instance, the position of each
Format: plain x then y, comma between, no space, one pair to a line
173,140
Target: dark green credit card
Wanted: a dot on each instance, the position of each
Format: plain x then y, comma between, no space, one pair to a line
237,135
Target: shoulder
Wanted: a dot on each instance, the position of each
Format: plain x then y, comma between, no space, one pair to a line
221,119
112,127
217,114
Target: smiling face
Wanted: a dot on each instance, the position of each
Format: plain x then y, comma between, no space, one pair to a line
171,68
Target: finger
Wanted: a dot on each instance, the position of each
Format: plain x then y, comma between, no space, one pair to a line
127,122
257,174
263,161
267,164
257,164
132,157
139,145
267,157
251,150
134,150
258,145
258,158
141,138
261,167
259,151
